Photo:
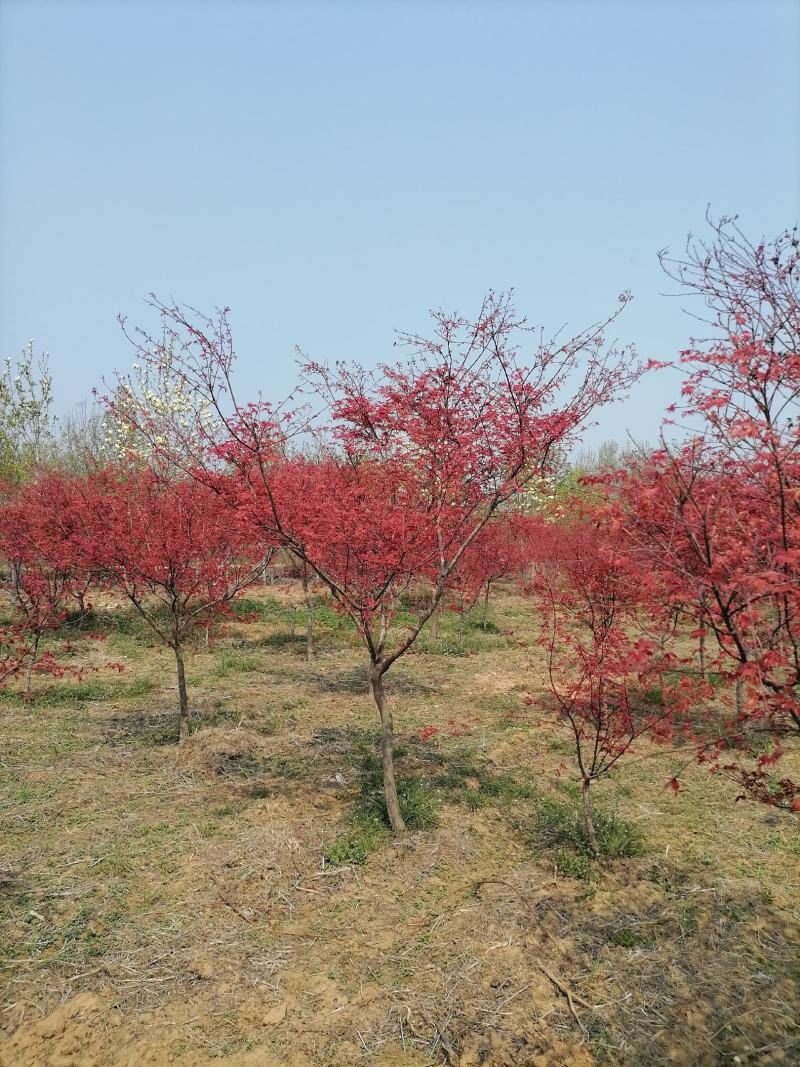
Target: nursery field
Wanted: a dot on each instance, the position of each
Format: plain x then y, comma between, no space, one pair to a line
238,899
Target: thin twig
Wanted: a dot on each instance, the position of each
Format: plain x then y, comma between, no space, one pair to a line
568,994
234,907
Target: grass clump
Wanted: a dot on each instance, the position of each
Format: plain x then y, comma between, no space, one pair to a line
241,764
127,622
560,830
281,639
368,825
418,803
418,800
626,937
365,834
248,607
232,661
502,789
474,782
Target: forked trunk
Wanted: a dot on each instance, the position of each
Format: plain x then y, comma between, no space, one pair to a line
183,698
387,751
588,824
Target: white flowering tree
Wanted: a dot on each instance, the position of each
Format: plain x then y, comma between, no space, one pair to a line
541,494
153,416
26,420
177,407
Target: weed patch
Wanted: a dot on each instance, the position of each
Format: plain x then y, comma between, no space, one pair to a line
559,830
232,661
368,823
419,803
76,694
365,833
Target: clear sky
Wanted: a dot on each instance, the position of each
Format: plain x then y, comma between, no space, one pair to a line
332,170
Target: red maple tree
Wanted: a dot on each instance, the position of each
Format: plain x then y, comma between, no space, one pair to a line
715,520
418,456
175,551
504,548
602,672
46,576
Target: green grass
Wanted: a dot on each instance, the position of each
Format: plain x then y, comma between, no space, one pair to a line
560,833
248,607
368,823
450,642
283,639
455,637
504,788
69,694
291,767
463,778
419,803
626,937
234,661
278,612
84,936
365,833
128,622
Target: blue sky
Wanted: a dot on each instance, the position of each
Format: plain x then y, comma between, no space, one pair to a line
331,171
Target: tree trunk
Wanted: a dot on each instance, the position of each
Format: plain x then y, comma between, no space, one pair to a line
433,629
387,750
486,607
32,664
702,650
739,698
183,698
309,619
703,604
294,621
588,824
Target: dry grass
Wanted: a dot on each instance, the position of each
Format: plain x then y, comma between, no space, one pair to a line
172,906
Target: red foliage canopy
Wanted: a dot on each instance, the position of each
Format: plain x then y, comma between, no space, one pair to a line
173,547
46,575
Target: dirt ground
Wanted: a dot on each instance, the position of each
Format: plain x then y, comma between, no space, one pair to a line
225,903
